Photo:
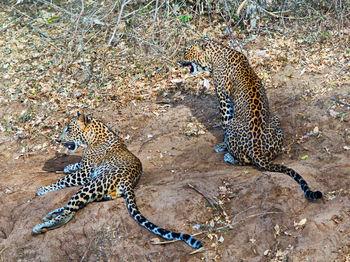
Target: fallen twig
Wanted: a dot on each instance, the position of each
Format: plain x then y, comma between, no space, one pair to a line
340,102
42,33
43,172
197,251
87,249
228,226
199,192
156,242
147,141
2,250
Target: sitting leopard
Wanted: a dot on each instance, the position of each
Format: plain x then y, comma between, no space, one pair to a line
252,134
107,170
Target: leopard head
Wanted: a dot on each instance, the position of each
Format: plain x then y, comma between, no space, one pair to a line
195,57
75,133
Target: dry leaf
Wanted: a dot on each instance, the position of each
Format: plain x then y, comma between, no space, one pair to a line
300,224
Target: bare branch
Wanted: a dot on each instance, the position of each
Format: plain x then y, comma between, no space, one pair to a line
124,3
155,12
199,192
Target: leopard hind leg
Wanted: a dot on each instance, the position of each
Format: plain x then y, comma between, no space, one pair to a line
227,109
227,112
62,218
273,140
112,195
53,214
95,190
77,178
237,153
221,147
229,159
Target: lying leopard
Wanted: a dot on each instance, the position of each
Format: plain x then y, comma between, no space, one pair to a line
107,170
253,136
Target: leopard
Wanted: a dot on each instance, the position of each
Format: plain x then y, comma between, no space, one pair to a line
252,134
107,170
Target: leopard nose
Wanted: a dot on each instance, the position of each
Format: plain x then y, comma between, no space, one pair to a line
180,62
186,63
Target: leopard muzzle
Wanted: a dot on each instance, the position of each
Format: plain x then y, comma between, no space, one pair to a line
193,67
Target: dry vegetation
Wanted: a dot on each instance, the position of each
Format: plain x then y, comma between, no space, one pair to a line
60,56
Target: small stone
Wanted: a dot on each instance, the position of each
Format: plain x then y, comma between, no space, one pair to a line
333,113
176,80
206,84
277,229
196,226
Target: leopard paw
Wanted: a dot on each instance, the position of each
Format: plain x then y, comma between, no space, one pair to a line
59,220
229,159
53,214
221,147
42,191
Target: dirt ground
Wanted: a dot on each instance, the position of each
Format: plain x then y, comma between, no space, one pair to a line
262,216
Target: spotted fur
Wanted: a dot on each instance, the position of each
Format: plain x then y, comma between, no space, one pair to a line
253,136
107,170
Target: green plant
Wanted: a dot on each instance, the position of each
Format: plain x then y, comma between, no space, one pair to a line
185,18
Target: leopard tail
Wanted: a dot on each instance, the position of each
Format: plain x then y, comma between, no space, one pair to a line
263,164
129,196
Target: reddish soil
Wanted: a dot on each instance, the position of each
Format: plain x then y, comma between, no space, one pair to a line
175,142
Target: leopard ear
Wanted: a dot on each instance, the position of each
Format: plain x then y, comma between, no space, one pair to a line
80,116
203,43
83,118
87,119
205,39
